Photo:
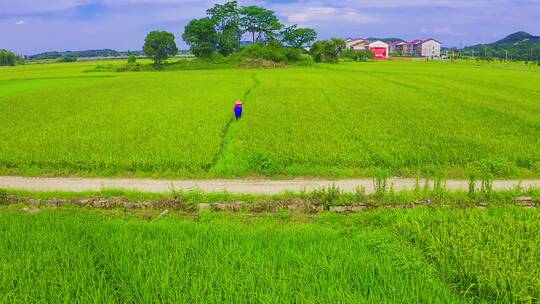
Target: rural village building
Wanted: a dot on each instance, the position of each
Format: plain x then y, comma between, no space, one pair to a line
429,48
357,44
380,49
399,47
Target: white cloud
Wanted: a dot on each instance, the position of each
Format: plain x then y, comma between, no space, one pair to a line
312,14
19,22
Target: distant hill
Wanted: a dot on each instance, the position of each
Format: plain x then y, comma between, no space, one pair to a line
79,54
518,45
92,54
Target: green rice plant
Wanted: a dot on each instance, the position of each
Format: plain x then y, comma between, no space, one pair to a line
472,183
380,181
435,255
325,121
84,256
486,256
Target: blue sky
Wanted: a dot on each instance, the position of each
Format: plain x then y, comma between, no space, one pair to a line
31,26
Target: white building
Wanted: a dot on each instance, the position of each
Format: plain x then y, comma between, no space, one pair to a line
429,48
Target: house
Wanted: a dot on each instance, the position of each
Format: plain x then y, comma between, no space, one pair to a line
412,47
357,44
429,48
380,49
401,48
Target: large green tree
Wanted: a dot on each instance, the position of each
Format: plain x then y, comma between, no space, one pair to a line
160,45
328,50
202,37
261,23
226,18
296,37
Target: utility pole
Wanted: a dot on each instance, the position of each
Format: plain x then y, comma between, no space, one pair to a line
506,56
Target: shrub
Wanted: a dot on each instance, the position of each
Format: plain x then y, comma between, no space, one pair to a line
305,60
251,63
130,67
273,51
132,59
67,58
357,55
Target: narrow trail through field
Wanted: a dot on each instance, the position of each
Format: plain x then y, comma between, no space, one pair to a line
228,130
246,186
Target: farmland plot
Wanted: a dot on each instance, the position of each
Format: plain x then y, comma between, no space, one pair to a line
331,120
342,119
136,123
419,255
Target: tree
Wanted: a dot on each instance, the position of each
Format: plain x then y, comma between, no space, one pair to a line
328,50
261,23
9,58
298,37
202,37
160,45
226,18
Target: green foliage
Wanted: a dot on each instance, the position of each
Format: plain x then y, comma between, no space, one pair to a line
305,60
273,51
222,30
328,50
67,58
261,23
380,181
160,45
357,55
131,58
298,37
8,58
226,18
202,37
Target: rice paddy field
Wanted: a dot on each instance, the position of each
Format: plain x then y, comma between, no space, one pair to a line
346,120
424,255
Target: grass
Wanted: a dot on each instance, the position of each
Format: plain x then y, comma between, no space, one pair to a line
346,120
384,255
331,196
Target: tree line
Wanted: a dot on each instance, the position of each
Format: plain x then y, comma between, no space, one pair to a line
225,25
220,33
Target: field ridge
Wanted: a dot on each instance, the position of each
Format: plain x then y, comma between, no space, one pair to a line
228,130
244,186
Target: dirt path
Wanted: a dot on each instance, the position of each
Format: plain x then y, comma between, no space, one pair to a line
234,186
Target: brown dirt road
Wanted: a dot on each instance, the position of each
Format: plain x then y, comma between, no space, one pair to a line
246,186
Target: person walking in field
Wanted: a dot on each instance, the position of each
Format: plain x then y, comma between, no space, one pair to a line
238,109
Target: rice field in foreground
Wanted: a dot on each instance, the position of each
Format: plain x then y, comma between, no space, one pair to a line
340,120
426,255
